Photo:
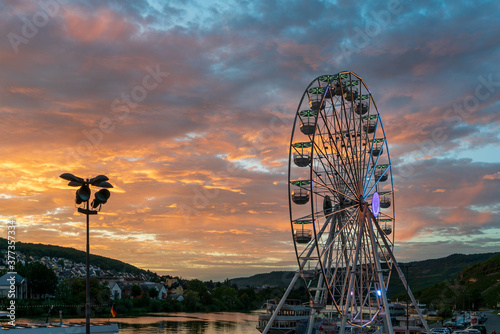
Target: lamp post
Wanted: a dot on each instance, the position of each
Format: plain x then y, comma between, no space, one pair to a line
83,197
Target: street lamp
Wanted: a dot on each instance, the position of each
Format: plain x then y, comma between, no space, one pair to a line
83,197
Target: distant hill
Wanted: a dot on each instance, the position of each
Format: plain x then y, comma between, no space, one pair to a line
475,286
276,278
422,274
40,250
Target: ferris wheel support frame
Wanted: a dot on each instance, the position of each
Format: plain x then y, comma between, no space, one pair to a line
401,276
282,302
348,159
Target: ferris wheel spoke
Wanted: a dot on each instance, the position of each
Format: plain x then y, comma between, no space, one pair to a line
387,169
329,245
335,169
331,141
350,125
332,190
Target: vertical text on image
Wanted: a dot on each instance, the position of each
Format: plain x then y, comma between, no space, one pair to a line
11,265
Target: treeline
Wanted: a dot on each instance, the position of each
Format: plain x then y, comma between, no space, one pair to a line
48,296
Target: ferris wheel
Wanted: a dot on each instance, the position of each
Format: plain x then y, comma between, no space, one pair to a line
341,198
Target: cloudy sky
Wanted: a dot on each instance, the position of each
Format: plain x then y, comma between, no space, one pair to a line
188,107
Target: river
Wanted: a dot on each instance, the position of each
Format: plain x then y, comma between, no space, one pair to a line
191,323
182,323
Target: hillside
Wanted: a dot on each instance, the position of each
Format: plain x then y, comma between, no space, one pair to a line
39,250
476,286
422,274
276,278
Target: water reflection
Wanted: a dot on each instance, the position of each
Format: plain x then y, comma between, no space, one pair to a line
179,323
191,323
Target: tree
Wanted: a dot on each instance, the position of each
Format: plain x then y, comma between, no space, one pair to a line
99,293
227,295
135,291
63,292
192,301
41,280
207,299
197,286
153,292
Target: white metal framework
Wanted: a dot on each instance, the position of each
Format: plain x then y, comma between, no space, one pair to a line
339,161
341,200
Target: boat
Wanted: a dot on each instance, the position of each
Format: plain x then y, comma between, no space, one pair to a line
291,313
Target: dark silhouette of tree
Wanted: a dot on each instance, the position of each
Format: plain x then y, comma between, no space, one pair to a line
135,291
197,286
41,280
153,292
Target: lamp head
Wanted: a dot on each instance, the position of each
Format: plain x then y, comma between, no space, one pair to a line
83,194
101,197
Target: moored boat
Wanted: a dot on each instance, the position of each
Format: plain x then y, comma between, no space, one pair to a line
288,317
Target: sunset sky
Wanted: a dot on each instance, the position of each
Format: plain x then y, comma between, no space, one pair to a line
187,107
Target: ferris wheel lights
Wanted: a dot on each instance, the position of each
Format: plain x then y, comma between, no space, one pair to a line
341,76
375,204
306,144
317,90
370,117
300,183
326,78
308,113
352,83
